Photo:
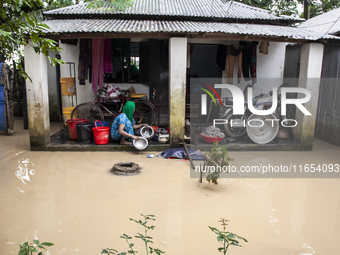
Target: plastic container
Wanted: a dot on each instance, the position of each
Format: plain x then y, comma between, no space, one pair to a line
85,132
102,124
210,139
101,134
68,86
72,130
67,113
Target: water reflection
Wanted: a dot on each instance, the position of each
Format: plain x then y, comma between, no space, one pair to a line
23,173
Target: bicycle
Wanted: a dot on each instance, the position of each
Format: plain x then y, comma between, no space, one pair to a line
145,111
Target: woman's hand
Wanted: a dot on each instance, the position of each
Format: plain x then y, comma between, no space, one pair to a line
135,137
139,125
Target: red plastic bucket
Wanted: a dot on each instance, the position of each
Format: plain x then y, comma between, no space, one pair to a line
72,130
101,134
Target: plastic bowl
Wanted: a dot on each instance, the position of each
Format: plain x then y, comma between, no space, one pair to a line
210,139
141,143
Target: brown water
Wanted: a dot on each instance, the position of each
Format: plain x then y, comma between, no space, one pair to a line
72,199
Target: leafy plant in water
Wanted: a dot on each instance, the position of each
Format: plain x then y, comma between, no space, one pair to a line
226,238
216,161
144,237
30,248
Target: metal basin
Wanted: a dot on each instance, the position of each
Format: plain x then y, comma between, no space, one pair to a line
147,132
141,143
262,129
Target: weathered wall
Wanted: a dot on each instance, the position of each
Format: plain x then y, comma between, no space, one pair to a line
328,113
52,89
269,70
309,78
37,98
177,81
328,117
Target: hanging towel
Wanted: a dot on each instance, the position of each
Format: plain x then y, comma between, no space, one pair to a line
107,56
97,64
264,47
248,60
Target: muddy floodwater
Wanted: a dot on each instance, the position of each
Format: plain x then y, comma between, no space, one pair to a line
72,200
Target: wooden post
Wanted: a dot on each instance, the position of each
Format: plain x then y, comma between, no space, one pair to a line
177,83
37,98
309,78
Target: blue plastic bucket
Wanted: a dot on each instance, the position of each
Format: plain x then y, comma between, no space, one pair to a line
102,124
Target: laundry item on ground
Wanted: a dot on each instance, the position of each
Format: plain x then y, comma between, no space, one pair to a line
180,153
212,131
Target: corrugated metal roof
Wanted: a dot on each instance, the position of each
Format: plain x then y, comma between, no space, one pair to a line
142,26
177,8
325,23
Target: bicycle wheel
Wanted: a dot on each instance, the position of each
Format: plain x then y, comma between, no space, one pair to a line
88,111
144,113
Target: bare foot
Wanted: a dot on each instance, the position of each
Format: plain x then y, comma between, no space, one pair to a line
124,142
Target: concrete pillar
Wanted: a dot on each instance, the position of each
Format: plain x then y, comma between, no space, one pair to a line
309,78
37,98
177,82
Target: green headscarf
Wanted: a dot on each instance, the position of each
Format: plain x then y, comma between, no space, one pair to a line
128,109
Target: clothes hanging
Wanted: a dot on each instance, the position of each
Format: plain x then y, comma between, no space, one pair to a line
221,56
107,56
264,47
253,64
248,60
234,53
85,59
97,64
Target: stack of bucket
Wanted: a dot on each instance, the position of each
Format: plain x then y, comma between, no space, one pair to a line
67,113
84,131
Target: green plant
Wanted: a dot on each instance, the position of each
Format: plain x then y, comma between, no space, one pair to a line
28,248
217,160
144,237
226,238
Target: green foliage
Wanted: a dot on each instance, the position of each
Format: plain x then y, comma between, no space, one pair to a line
226,238
216,159
323,6
30,248
279,7
53,4
290,7
18,26
116,5
144,237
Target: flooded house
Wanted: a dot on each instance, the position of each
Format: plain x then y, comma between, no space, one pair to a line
158,48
